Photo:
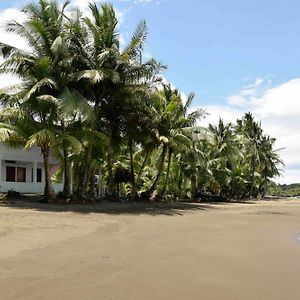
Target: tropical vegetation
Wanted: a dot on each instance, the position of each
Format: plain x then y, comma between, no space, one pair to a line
104,110
283,190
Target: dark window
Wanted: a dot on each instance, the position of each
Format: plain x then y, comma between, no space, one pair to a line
38,175
21,174
10,174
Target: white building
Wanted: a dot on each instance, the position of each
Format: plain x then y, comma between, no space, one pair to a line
23,170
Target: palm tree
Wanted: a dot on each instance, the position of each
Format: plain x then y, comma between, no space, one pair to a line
224,152
43,69
269,162
252,133
107,75
173,126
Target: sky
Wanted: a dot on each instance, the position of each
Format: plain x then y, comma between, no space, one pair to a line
237,56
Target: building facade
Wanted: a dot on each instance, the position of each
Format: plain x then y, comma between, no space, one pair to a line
23,170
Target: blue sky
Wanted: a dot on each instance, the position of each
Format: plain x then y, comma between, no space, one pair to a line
235,55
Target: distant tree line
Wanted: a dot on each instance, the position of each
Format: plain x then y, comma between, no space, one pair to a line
284,190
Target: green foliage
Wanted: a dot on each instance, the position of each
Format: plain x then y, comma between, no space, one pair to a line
103,110
283,190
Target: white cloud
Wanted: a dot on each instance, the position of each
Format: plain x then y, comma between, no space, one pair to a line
227,113
141,1
246,95
238,100
282,100
83,5
8,15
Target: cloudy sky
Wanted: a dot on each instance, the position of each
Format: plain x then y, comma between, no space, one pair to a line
237,56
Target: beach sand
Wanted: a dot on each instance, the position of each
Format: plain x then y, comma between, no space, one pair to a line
117,251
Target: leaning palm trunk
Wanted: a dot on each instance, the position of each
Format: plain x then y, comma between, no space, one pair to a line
159,172
166,183
49,193
138,180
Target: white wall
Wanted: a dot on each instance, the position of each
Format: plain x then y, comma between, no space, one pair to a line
25,159
19,154
28,187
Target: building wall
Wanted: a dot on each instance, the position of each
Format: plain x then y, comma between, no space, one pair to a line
27,187
29,159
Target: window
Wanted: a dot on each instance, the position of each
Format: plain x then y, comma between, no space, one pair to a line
14,174
10,174
21,174
38,175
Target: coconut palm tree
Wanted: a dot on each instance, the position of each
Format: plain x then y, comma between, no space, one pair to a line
252,133
173,126
108,75
43,67
224,151
269,162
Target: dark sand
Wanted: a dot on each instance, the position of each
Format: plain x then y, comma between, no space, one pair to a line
223,251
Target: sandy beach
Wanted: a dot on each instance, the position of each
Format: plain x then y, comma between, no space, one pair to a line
116,251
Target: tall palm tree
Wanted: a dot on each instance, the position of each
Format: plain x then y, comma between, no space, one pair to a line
108,75
269,162
173,125
252,134
224,152
42,69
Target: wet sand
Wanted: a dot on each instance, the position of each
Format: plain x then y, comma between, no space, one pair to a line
223,251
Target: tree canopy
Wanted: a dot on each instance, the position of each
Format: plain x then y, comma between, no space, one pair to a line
104,111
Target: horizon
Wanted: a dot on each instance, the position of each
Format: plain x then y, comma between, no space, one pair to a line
237,57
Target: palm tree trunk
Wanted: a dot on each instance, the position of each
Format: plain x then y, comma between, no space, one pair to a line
143,166
86,164
85,167
67,167
67,174
159,172
168,173
179,183
193,186
137,182
49,193
253,163
132,179
100,186
110,166
264,188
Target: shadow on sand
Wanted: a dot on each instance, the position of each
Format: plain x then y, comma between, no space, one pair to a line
106,207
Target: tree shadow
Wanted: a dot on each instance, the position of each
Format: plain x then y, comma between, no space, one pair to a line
106,207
